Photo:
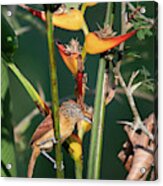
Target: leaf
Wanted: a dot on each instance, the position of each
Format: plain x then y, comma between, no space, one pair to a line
140,34
145,72
4,80
7,143
148,32
133,55
145,28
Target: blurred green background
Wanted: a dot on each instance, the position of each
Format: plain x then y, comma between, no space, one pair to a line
32,59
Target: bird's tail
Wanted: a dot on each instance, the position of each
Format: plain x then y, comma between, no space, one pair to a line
35,154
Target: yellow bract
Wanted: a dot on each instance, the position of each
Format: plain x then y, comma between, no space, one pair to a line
75,150
86,126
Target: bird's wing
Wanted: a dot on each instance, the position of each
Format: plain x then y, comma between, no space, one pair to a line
45,126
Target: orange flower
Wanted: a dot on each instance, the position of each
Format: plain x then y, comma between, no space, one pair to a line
70,54
101,41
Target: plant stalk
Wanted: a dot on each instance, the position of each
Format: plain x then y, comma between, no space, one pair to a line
54,94
97,126
78,169
94,162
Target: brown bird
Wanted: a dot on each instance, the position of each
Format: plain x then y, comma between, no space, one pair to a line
43,138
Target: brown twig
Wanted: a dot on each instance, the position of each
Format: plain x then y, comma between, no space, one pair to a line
132,8
137,123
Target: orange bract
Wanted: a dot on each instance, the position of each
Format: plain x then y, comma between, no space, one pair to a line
69,59
73,20
97,45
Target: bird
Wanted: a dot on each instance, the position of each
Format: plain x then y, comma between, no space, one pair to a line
43,139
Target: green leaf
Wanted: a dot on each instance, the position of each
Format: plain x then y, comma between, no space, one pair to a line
9,40
148,32
4,80
7,143
133,55
140,35
145,72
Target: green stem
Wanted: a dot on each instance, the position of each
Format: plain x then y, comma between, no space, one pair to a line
109,15
83,8
97,126
54,93
78,169
94,161
30,89
85,29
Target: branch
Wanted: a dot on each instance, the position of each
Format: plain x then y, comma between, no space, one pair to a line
137,123
132,8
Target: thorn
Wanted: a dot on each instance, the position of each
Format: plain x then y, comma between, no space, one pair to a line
126,123
132,78
135,86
